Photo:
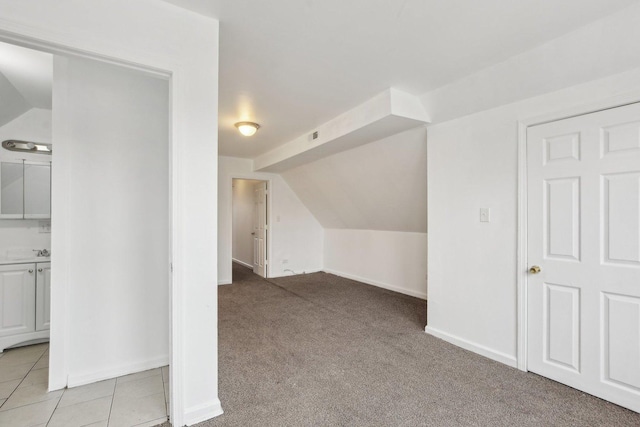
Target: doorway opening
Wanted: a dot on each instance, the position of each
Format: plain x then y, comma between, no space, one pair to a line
109,167
26,78
250,224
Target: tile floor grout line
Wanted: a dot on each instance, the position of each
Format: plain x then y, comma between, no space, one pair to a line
23,378
113,397
32,403
166,403
64,390
57,404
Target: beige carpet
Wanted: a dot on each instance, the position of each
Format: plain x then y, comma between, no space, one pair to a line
319,350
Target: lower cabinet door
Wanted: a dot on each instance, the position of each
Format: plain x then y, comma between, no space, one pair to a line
17,299
43,296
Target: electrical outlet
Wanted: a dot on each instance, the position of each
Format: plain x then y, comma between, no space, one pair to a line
485,215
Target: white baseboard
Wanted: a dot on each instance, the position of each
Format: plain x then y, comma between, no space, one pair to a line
471,346
289,274
203,412
224,282
421,295
246,264
117,371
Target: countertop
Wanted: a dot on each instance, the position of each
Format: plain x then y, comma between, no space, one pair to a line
5,261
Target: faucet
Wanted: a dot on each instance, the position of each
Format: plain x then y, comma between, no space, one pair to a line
42,252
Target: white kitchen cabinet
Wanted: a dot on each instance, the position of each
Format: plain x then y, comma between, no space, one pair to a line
18,302
11,190
25,190
37,190
43,296
25,303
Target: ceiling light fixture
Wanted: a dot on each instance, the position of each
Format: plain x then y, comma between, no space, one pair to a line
247,128
26,146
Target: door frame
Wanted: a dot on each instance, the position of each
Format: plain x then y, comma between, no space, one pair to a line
522,267
254,177
176,72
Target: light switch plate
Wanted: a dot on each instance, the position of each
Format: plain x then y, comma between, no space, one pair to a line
485,215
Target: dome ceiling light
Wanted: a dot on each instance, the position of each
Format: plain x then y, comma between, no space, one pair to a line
247,128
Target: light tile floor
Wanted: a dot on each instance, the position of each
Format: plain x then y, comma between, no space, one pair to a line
139,399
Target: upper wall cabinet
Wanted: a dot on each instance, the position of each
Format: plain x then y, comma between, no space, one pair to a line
11,190
25,190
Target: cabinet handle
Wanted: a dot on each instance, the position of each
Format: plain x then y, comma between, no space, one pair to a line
39,270
30,271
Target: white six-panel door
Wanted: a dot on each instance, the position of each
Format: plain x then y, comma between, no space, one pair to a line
584,234
260,229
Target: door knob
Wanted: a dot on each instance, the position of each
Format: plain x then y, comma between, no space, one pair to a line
535,269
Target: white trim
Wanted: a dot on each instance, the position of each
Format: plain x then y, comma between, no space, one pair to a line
177,280
630,97
200,413
117,371
498,356
521,249
421,295
293,273
242,262
224,282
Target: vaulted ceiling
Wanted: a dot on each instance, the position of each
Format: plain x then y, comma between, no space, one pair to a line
292,65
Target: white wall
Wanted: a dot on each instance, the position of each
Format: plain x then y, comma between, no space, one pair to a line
472,163
34,125
22,234
243,211
296,236
116,151
389,259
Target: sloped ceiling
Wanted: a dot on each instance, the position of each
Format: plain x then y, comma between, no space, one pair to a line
378,186
12,103
26,80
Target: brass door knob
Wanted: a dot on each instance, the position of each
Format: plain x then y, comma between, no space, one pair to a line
535,269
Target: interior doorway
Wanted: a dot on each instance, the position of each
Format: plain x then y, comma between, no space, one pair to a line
250,224
110,170
26,78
